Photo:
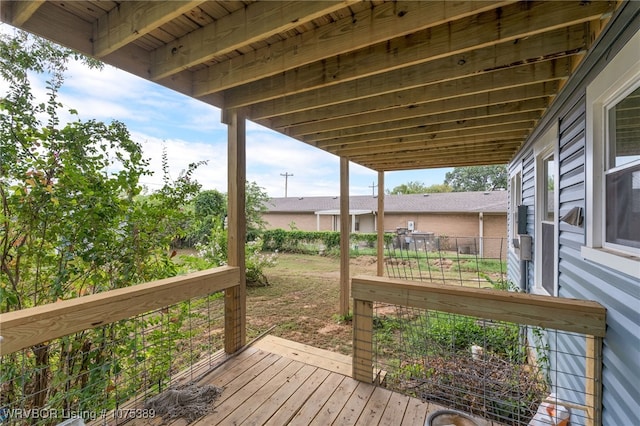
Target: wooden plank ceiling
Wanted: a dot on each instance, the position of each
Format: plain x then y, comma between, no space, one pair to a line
389,85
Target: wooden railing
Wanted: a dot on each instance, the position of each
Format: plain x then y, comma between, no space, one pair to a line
28,327
584,317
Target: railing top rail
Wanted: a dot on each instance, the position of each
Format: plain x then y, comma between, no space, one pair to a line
580,316
28,327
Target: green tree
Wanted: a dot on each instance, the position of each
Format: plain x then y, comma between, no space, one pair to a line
210,208
477,178
210,203
71,222
412,187
437,188
256,205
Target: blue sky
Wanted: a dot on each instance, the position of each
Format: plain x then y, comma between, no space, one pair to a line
191,131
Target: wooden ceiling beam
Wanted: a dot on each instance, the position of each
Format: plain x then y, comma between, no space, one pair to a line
531,109
436,131
491,85
379,61
250,24
475,151
446,161
133,19
420,142
538,93
50,21
512,23
431,146
376,25
18,12
440,71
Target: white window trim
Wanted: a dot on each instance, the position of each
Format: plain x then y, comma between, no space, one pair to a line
609,87
515,199
546,146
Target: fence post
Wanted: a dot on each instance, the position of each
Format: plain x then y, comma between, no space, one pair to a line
593,376
363,340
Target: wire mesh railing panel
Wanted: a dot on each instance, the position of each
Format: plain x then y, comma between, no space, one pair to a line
466,261
502,371
93,373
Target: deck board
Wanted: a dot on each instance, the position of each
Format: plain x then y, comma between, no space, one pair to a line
372,412
328,360
355,404
319,398
395,409
298,386
289,408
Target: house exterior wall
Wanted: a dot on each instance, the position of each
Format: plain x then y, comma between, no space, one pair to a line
308,221
578,277
495,241
302,221
452,225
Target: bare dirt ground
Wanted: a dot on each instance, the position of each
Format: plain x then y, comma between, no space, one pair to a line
302,301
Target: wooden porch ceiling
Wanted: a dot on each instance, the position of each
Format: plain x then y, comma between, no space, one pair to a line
389,85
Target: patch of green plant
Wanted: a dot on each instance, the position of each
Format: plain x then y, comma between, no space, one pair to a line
327,241
486,266
343,319
458,333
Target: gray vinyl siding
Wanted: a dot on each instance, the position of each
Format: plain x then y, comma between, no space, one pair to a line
528,199
577,277
581,279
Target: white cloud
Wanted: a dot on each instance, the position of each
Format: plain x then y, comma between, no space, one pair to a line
191,131
181,153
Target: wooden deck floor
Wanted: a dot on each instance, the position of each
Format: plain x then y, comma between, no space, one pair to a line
278,382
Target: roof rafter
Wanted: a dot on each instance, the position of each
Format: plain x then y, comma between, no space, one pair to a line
505,112
439,71
422,142
253,23
444,41
538,92
353,32
440,131
464,150
131,20
19,12
491,86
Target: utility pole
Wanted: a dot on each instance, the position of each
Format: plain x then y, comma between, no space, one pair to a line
286,181
373,187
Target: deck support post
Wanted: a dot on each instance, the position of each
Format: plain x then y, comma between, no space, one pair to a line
344,237
362,340
380,225
593,375
235,302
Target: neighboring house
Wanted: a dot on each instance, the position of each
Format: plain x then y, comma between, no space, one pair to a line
453,214
585,157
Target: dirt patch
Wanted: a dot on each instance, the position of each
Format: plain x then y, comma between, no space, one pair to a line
302,301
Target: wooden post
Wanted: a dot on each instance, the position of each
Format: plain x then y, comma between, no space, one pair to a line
593,376
344,237
235,297
380,225
362,341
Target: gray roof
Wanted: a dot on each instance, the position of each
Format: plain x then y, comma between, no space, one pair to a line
448,202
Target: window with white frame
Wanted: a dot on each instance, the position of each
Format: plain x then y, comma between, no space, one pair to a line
612,166
622,174
545,258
